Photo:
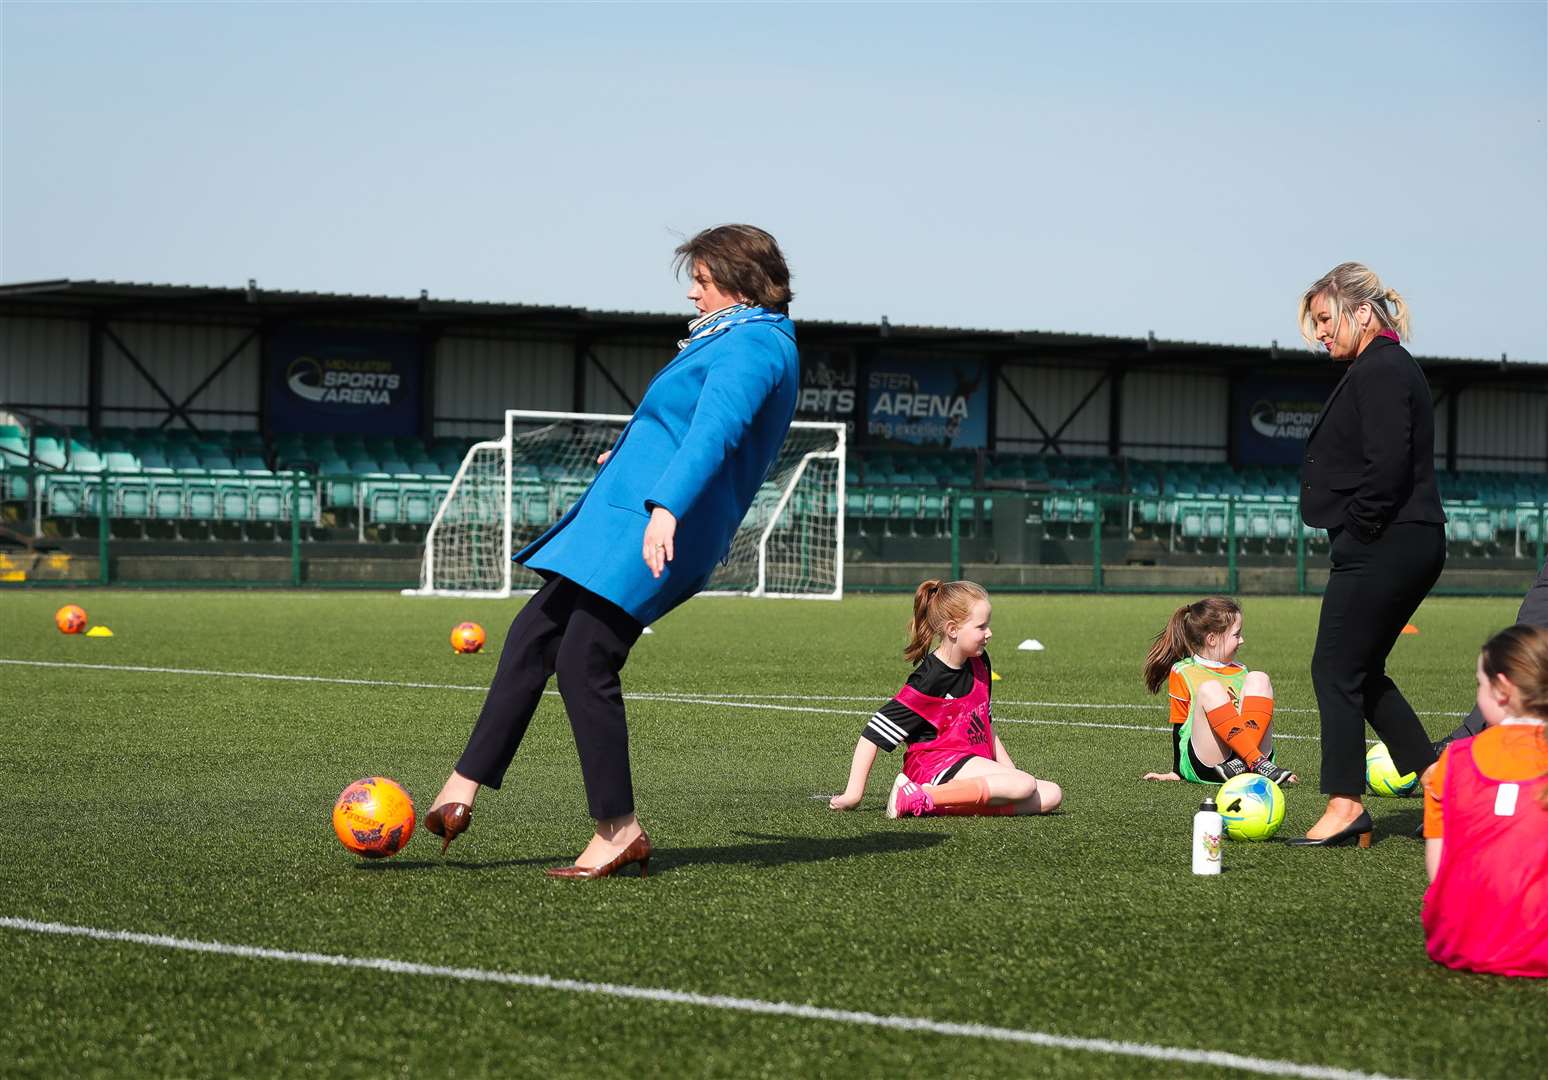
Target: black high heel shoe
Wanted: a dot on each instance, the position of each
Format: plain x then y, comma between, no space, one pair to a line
449,821
1358,829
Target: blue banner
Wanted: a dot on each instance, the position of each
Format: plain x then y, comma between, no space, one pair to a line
941,402
347,382
1270,419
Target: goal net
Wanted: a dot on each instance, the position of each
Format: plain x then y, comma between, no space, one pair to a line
508,491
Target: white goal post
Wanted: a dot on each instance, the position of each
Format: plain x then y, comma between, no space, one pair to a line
508,491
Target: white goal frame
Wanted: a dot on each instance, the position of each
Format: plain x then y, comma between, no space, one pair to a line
505,444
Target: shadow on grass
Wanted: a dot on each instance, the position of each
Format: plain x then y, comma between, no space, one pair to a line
772,850
1402,825
383,865
763,850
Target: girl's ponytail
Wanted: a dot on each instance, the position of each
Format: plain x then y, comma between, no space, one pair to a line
921,628
1170,646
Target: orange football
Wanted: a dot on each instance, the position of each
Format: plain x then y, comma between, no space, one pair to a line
374,817
467,637
71,619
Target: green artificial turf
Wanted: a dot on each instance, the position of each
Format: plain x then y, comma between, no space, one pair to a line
197,806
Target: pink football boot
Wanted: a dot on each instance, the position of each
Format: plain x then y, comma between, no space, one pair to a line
908,797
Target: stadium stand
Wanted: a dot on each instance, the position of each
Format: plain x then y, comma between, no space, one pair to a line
387,489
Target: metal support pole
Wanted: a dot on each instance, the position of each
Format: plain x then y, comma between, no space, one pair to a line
955,509
1542,535
295,527
104,572
1096,546
1300,553
1231,576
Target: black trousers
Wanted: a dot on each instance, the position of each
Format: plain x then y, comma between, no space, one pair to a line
1534,612
585,639
1372,592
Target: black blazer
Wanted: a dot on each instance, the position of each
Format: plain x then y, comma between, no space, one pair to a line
1370,457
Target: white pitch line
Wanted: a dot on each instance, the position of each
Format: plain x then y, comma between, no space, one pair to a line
1122,1048
675,699
728,701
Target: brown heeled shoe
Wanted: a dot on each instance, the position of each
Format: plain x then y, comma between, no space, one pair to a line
638,851
449,821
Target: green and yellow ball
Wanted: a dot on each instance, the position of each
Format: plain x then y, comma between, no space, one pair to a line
1381,776
1251,806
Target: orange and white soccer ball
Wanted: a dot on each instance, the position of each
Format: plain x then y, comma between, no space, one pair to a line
374,817
467,637
71,619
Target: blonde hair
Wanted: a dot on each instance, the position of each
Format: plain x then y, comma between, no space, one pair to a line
937,603
1185,633
1347,286
1520,653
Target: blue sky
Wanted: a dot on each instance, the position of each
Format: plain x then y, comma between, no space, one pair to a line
1105,168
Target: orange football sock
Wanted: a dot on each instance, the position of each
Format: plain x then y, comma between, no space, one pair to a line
1230,727
1257,715
970,792
974,810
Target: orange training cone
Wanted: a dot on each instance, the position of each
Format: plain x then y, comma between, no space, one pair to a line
1410,628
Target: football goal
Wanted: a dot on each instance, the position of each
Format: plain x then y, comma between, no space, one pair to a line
507,491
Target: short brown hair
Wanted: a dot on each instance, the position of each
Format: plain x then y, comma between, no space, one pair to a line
743,260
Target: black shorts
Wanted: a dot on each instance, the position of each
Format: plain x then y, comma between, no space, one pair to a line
1181,746
950,772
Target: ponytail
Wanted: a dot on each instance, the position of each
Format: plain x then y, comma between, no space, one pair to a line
937,603
1396,313
920,634
1185,633
1170,646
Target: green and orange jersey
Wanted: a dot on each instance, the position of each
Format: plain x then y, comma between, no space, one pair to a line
1190,673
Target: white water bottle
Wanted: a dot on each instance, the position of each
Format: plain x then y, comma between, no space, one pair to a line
1208,832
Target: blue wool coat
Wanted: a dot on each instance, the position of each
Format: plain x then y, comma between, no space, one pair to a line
700,444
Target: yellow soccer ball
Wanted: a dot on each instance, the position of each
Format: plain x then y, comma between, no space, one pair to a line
1381,776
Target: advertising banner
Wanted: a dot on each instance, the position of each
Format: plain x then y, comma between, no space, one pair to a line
1271,418
940,402
827,386
354,382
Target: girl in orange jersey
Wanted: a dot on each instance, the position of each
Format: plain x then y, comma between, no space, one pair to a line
1222,714
1486,821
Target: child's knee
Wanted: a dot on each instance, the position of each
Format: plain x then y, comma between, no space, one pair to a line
1257,684
1212,695
1023,786
1049,796
1044,798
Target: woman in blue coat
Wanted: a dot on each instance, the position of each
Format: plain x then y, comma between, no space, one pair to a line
645,536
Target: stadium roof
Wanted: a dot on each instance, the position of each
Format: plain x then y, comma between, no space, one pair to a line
251,304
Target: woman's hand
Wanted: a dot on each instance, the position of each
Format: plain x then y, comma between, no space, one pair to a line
845,801
658,539
603,456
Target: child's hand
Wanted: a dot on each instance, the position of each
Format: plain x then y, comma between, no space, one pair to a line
843,802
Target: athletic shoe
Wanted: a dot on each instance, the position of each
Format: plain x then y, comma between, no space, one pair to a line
1231,766
1267,768
908,798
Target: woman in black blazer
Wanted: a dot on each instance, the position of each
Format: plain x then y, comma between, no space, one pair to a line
1369,479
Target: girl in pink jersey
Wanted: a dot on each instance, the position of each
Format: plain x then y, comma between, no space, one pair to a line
1486,821
953,762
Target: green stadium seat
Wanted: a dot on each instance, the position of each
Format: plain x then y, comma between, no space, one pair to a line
167,493
267,498
130,496
233,499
